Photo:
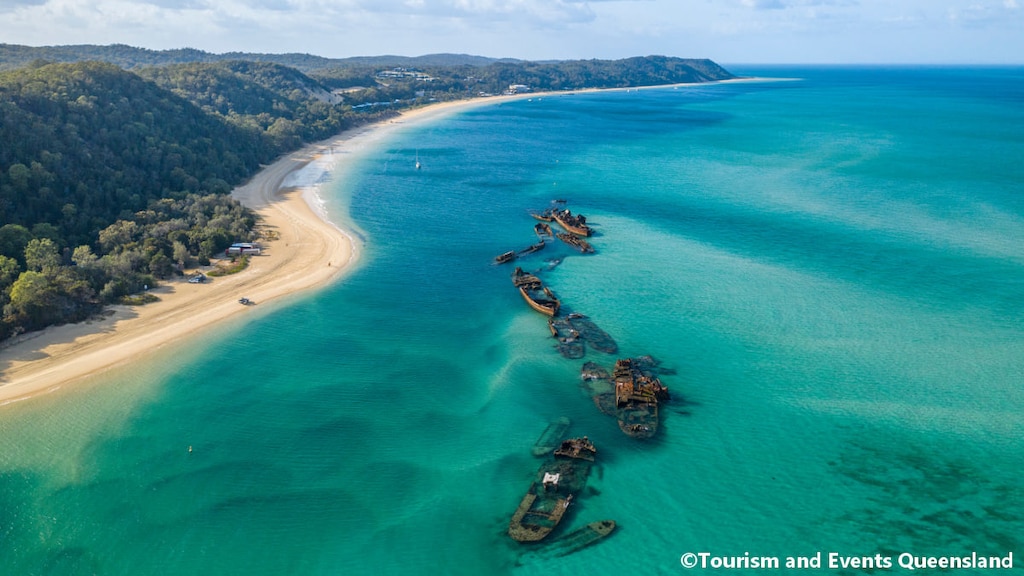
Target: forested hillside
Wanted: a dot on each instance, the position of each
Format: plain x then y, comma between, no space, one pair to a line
453,73
86,144
115,174
284,104
110,181
16,56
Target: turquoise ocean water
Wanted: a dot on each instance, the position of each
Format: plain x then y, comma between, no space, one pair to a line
832,267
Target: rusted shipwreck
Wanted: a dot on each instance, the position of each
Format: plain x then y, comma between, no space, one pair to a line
536,294
637,395
557,482
575,241
632,393
575,223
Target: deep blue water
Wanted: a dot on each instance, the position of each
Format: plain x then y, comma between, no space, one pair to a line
831,265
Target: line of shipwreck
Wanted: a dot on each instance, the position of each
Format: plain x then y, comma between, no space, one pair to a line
631,392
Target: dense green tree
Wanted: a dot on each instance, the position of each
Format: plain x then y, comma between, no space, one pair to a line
33,301
161,266
83,257
13,240
119,234
9,271
112,178
41,255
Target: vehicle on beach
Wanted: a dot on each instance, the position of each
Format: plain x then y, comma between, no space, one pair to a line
245,302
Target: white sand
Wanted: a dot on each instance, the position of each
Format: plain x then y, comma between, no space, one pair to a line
309,252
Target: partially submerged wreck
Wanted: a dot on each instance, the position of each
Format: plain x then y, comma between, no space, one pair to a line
575,223
637,395
575,241
582,537
557,482
569,344
511,255
551,437
538,296
597,338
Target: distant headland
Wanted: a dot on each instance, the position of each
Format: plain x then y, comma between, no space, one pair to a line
119,163
441,69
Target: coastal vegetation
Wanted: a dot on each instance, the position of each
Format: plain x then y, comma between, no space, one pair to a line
117,162
112,180
234,267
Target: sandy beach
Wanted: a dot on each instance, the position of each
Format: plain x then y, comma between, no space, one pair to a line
309,252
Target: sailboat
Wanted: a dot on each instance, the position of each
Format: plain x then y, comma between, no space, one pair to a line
418,160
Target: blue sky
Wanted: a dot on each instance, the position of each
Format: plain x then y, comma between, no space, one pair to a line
737,31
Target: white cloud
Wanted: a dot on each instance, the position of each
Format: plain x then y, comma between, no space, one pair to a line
986,15
763,4
737,30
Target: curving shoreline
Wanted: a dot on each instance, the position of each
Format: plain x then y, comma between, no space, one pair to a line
310,252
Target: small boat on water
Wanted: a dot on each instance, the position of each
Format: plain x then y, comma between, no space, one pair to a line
597,339
538,296
576,242
551,437
575,223
557,482
569,344
581,538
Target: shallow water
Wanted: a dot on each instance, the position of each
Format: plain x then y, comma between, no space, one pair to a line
830,265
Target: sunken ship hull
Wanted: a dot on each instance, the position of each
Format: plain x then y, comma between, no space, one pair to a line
582,537
637,395
536,295
558,481
575,223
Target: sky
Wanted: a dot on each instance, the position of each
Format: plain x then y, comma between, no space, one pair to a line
727,31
